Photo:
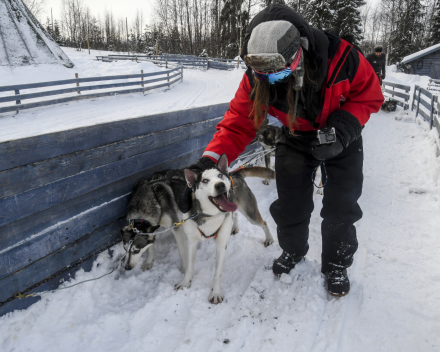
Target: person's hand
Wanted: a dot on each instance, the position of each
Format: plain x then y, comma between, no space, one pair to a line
200,165
347,128
327,151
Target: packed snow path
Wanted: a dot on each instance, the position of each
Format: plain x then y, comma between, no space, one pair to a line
393,305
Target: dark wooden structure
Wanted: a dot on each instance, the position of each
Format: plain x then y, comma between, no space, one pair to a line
63,195
426,62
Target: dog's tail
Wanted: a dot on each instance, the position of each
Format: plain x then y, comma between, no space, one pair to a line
256,171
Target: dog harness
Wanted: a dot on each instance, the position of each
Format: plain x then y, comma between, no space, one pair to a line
213,235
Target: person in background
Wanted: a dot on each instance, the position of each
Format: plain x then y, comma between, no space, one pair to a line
378,60
323,91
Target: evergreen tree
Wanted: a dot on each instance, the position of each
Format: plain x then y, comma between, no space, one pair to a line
435,30
347,17
406,37
320,14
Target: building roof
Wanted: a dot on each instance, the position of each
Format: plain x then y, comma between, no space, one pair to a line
420,53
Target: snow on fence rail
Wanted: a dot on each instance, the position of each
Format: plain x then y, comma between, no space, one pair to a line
405,96
420,94
183,60
170,76
64,195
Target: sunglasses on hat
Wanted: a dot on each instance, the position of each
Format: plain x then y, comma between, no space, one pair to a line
282,75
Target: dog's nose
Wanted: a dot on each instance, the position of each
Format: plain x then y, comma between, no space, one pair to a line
220,187
128,267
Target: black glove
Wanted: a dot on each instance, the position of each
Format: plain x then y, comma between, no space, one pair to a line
348,129
200,165
327,151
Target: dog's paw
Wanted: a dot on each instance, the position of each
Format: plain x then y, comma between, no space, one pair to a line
265,182
181,285
267,243
216,297
320,191
234,231
146,266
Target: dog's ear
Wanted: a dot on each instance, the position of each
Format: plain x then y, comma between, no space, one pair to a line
222,163
191,176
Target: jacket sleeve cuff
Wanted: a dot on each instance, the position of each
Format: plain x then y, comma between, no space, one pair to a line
347,126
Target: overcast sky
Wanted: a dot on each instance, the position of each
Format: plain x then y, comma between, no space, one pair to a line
120,8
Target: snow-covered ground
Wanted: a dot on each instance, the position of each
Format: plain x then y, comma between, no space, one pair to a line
199,88
394,303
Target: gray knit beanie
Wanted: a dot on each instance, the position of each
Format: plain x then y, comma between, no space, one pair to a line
272,45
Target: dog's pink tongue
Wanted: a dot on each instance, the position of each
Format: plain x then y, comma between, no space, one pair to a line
225,203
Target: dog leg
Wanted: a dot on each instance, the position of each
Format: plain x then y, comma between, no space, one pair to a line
250,210
235,228
148,263
216,295
192,250
267,160
180,236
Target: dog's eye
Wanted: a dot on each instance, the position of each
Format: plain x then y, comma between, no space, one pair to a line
220,176
136,251
205,180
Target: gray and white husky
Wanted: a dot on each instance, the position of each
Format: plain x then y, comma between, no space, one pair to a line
216,195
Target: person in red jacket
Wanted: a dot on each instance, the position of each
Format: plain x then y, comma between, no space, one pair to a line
323,91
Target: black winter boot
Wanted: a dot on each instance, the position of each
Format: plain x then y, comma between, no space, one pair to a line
285,263
337,282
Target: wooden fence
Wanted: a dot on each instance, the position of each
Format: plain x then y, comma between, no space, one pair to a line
430,104
403,96
182,60
169,77
63,195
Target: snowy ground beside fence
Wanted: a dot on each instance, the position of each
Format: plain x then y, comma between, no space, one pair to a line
393,305
199,88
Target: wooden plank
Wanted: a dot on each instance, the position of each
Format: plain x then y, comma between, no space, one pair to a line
400,86
24,178
83,80
24,230
84,96
424,114
426,93
83,89
28,150
425,104
41,245
54,262
398,94
58,260
36,200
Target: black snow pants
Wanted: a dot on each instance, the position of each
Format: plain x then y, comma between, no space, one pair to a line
294,167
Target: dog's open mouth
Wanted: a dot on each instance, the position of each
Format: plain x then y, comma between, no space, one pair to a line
222,203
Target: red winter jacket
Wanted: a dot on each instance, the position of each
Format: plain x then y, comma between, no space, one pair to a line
351,85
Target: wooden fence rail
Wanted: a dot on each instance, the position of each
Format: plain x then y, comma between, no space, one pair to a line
418,100
393,93
170,76
64,195
184,60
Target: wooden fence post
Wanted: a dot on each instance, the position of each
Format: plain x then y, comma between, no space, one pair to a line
414,97
166,63
431,115
168,79
238,62
181,75
17,92
77,83
207,63
142,78
418,101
